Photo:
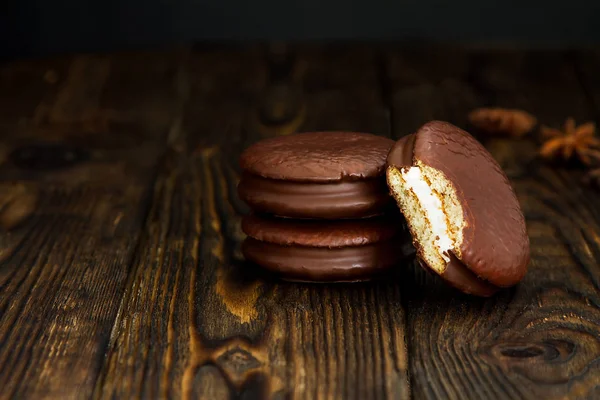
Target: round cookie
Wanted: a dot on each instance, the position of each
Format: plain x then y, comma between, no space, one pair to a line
326,175
325,251
465,219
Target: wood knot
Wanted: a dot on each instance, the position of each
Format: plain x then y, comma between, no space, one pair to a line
522,351
549,344
281,111
280,105
238,361
551,350
17,203
47,156
548,360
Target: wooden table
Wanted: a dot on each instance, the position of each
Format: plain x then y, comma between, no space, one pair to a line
120,270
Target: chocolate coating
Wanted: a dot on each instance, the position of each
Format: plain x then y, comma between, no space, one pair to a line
456,273
460,277
314,233
495,247
342,199
321,264
331,251
401,154
318,157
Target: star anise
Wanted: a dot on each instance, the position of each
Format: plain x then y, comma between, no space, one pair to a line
578,141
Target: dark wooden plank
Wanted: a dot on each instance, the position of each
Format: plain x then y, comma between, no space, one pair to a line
587,64
174,316
130,95
425,83
24,85
342,88
198,322
74,185
323,67
218,84
540,339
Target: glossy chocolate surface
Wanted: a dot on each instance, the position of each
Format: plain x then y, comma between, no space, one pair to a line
401,155
495,245
318,157
495,248
343,199
460,277
320,264
317,233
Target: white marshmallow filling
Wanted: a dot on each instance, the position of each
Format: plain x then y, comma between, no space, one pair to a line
432,207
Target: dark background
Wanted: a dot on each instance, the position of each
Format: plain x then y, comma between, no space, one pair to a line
36,27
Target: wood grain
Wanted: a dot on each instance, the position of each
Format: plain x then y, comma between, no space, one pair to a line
74,191
199,322
120,269
540,339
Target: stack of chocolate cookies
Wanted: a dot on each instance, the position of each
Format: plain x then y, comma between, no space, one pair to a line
321,207
322,212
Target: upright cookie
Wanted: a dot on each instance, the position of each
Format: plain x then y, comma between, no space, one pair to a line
327,175
463,214
325,251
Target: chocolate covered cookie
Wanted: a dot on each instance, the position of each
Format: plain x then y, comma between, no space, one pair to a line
326,175
325,251
465,219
